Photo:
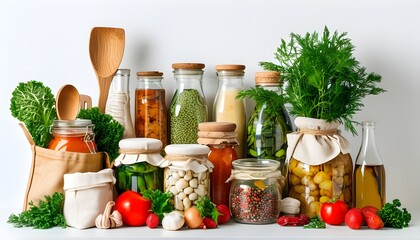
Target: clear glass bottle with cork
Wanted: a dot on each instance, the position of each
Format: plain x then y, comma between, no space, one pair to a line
220,137
227,108
188,107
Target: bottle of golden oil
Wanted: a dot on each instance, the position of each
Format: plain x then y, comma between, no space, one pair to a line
369,173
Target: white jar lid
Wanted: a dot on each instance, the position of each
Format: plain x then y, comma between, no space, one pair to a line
140,144
187,149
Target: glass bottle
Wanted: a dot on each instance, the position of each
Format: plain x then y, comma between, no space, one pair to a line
151,116
369,173
188,107
220,137
226,107
118,104
267,131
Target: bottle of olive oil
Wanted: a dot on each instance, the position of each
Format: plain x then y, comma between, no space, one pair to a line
369,173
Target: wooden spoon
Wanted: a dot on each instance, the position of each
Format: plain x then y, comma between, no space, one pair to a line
67,102
106,49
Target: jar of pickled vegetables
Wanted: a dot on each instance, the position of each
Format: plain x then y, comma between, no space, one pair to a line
220,137
151,116
73,136
188,107
186,173
137,166
319,164
255,193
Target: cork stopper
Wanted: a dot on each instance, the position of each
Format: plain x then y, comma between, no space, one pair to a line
230,67
216,133
150,74
267,78
188,65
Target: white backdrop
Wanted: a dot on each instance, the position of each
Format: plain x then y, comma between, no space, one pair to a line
47,40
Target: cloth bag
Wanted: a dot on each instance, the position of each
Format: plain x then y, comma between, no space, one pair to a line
49,166
86,196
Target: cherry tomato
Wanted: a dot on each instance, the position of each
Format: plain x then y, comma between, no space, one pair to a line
334,212
133,207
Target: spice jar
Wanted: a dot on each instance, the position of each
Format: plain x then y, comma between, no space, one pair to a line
255,193
188,107
320,165
73,136
151,117
137,166
227,108
269,122
220,137
187,173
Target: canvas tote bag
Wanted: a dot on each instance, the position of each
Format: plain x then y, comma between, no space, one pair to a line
48,167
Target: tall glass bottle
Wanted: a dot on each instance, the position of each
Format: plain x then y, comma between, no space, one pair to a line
188,107
369,173
150,107
267,127
226,107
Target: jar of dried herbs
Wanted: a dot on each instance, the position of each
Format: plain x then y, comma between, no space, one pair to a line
188,107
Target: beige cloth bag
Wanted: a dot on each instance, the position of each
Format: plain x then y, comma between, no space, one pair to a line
86,196
49,166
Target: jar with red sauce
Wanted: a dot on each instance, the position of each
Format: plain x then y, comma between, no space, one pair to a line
73,136
220,137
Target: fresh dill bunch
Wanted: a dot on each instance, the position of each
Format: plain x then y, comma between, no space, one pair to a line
272,100
322,78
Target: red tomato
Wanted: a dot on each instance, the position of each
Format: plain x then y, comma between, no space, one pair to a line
133,207
224,214
354,218
334,212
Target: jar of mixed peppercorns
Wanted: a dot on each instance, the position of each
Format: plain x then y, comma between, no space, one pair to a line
255,192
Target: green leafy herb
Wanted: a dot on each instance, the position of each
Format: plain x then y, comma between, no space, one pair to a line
108,131
273,101
33,104
207,208
323,80
393,216
161,201
315,222
48,214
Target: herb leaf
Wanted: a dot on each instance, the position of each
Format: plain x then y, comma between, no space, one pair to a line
393,216
207,208
48,214
315,222
161,201
273,101
323,80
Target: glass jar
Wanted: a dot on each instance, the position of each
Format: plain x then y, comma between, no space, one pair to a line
369,173
226,107
220,137
320,167
137,167
255,195
188,107
267,128
186,173
118,103
150,107
73,136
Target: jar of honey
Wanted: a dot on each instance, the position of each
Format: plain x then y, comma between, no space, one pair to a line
73,136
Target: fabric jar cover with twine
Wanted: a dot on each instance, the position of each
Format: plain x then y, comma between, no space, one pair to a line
134,150
187,157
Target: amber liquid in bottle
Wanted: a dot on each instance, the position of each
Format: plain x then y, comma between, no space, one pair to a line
369,186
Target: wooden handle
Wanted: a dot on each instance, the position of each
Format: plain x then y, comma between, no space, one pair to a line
104,85
85,102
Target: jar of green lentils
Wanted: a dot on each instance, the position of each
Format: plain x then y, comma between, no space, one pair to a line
188,107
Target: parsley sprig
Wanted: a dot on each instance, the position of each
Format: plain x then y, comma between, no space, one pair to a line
207,208
393,216
161,201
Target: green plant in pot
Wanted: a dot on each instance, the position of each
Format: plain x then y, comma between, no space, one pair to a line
324,85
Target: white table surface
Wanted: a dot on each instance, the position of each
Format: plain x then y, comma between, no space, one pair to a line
227,231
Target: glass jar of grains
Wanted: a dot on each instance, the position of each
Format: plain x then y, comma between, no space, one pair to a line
255,192
186,173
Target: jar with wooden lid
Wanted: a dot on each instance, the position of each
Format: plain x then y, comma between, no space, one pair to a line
137,166
73,136
227,108
269,122
186,173
220,137
151,116
188,107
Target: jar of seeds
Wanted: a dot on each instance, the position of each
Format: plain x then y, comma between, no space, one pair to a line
186,173
188,107
255,192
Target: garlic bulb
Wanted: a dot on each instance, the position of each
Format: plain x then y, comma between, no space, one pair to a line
108,220
173,221
290,205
